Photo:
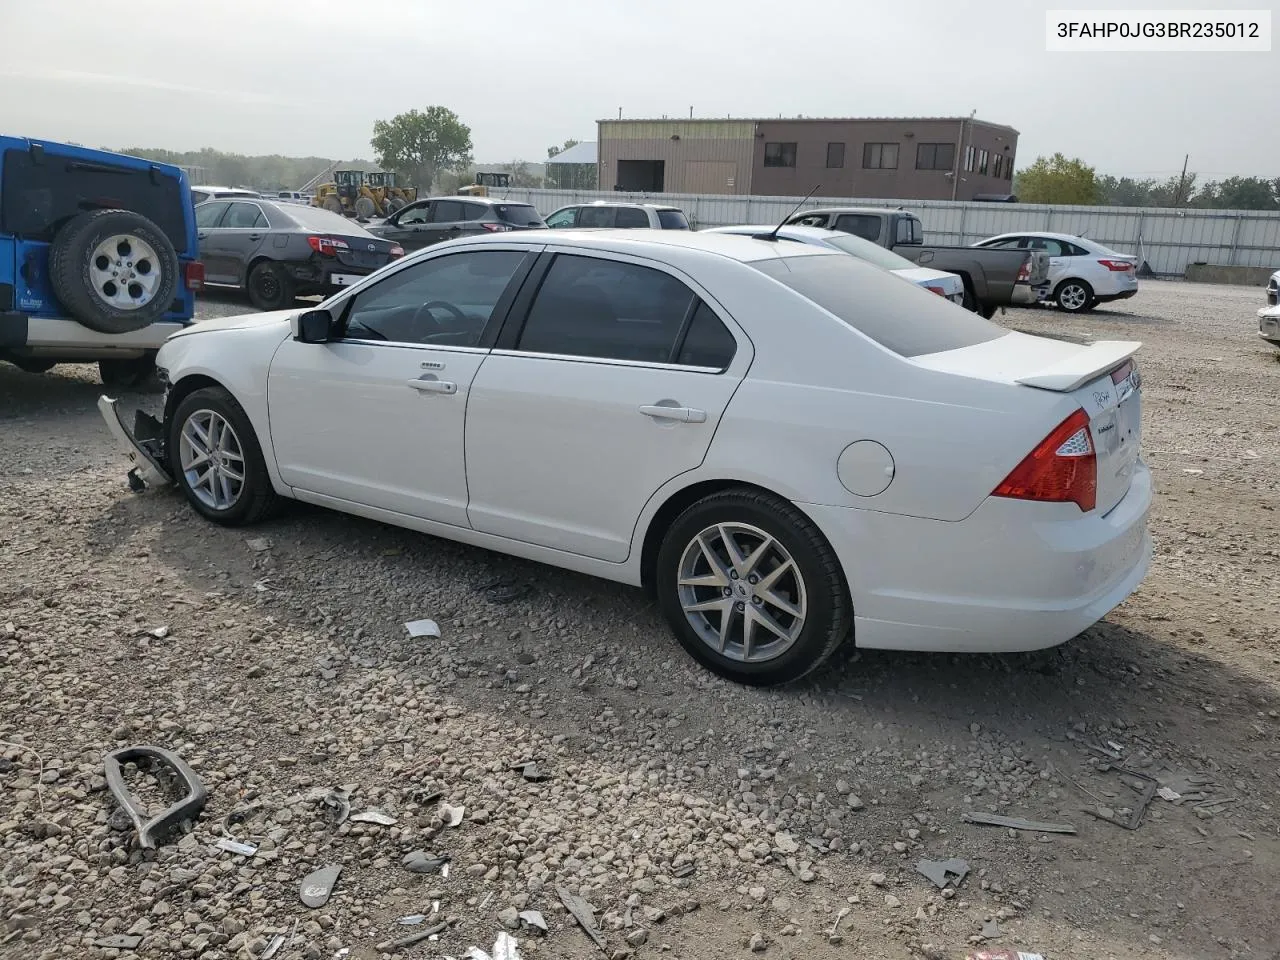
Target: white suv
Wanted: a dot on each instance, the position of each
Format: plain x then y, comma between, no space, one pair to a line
609,213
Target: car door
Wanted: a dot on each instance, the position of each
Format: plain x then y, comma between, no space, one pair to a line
1060,264
447,219
241,233
611,384
217,262
409,227
375,417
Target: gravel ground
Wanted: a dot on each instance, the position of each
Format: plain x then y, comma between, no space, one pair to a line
699,819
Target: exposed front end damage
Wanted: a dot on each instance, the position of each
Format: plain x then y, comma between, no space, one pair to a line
144,445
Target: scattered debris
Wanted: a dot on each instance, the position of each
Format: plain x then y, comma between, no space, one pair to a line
1164,793
835,927
503,591
1017,823
423,628
1146,795
339,804
158,633
533,918
1002,955
943,872
392,946
170,770
684,870
990,930
412,920
374,816
419,861
452,815
258,544
530,770
235,846
318,886
505,947
583,913
121,941
273,947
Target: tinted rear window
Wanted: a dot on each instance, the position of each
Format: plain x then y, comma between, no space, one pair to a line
863,225
521,214
37,199
895,313
673,220
322,221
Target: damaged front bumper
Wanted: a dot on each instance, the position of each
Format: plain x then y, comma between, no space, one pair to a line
144,445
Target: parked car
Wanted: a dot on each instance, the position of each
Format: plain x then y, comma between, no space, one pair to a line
992,279
1082,273
786,444
292,196
1273,289
1269,324
201,194
98,258
424,222
276,252
611,214
946,285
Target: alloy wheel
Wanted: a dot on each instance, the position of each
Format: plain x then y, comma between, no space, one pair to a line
212,459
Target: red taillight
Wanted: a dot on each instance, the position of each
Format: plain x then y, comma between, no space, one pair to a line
938,290
1024,271
396,252
1117,266
1122,372
327,246
193,276
496,227
1062,469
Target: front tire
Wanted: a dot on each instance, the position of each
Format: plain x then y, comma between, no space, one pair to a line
215,457
127,374
270,288
1074,296
751,588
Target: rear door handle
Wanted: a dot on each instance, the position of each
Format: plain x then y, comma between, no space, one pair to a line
682,414
255,236
433,385
202,236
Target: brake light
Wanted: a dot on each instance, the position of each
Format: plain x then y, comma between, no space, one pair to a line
1024,271
1062,469
396,252
193,276
495,227
938,290
1117,266
1122,372
327,246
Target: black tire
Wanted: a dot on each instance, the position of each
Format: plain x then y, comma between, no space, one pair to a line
127,374
366,208
83,277
988,311
332,204
969,301
828,613
256,499
1073,296
33,364
270,287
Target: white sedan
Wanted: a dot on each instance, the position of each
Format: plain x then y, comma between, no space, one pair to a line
1082,273
788,446
946,285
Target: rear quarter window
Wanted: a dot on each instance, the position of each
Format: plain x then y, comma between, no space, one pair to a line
673,220
520,214
37,199
893,312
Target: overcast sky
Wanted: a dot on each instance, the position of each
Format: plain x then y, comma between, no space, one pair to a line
302,77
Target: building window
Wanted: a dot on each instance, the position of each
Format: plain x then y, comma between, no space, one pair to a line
982,162
835,155
779,154
1008,167
968,158
935,156
880,156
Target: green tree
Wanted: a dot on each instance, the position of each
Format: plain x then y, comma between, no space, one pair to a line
556,151
521,175
420,143
1058,180
1241,193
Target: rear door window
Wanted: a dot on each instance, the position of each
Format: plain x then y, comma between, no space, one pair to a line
518,214
37,199
673,220
865,225
901,317
631,218
708,342
596,216
446,211
244,216
209,214
474,211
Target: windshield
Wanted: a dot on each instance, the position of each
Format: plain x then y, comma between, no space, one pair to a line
898,315
868,251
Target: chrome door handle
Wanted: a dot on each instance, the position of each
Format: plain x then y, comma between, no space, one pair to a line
433,385
682,414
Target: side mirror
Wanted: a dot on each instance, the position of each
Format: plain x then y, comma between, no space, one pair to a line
312,326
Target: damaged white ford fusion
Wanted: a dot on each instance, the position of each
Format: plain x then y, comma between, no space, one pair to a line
788,446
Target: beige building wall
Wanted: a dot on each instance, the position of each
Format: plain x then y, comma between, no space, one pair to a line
697,156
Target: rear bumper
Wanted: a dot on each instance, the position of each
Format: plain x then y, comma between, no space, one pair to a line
1024,294
47,337
324,275
1122,295
1013,576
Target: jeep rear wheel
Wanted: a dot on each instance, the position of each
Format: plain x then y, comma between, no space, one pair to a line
113,270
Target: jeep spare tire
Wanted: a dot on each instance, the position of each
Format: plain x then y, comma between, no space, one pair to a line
114,271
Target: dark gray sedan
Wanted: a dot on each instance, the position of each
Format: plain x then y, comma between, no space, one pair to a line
430,221
278,251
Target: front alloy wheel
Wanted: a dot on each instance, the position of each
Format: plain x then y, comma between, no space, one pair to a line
211,459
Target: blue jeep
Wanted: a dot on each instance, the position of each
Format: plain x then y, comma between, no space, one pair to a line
98,258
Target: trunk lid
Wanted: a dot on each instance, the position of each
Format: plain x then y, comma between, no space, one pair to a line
368,253
1102,377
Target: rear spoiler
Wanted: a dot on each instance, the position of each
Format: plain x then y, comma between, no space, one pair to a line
1088,364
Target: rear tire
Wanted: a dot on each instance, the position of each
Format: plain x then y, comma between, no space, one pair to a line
366,208
217,462
970,302
270,287
785,574
127,374
332,204
1073,296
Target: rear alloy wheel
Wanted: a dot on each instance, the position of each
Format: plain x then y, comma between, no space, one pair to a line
270,288
127,374
752,589
215,457
1074,296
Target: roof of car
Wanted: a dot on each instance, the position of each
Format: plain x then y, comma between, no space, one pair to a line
491,201
793,230
621,203
1043,235
214,189
876,210
642,242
